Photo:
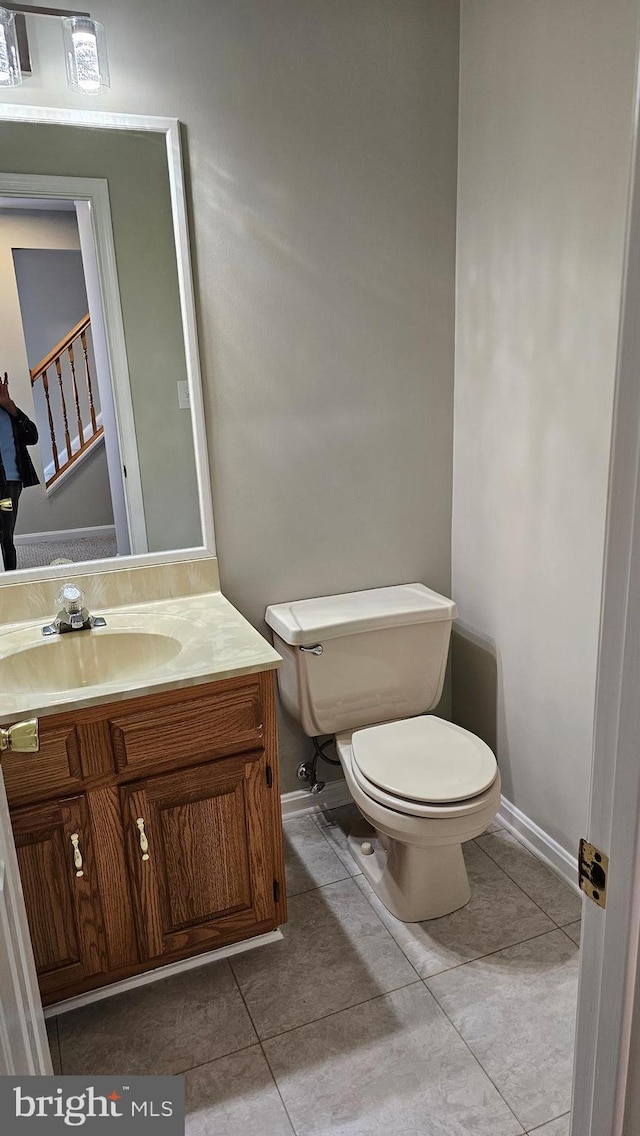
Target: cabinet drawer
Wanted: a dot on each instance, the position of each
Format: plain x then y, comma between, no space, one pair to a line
54,770
189,729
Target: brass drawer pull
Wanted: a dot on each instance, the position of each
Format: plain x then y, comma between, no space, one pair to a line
21,738
144,843
77,854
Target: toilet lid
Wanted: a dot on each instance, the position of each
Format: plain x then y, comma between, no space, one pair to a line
424,759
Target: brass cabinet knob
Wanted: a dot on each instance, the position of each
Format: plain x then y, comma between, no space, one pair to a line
21,737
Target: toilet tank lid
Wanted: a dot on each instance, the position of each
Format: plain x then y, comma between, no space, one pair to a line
305,622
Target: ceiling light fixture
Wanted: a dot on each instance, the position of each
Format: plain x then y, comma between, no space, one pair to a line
85,47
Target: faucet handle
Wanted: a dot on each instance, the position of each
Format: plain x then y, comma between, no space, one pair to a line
70,597
73,615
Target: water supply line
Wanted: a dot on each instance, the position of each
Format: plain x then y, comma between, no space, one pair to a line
308,770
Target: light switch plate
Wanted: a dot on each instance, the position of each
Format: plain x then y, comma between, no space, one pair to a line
184,402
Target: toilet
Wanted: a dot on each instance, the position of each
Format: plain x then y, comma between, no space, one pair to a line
366,667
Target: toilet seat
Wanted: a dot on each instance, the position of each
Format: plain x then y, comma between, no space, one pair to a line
444,772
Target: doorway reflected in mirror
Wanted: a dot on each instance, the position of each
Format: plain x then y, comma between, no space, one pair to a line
69,516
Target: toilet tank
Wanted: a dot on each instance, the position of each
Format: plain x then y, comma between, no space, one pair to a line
379,655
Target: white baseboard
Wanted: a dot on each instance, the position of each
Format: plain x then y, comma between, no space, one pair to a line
543,846
334,794
95,532
160,972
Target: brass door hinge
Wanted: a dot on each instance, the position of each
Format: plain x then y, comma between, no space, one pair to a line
593,869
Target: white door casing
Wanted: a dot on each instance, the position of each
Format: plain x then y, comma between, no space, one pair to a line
607,998
103,378
24,1048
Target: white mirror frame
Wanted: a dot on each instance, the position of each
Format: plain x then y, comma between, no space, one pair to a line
171,129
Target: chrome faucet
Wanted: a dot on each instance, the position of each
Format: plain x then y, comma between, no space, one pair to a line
73,615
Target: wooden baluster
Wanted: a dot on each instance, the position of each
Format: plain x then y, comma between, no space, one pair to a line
83,339
75,394
67,439
52,429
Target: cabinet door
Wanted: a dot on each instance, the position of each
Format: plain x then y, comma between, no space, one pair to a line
198,845
55,855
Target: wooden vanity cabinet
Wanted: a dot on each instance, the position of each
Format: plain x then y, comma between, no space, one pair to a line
149,830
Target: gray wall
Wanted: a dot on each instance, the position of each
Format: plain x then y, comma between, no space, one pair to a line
322,148
52,295
135,167
546,103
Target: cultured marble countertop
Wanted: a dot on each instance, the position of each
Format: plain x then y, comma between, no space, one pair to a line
213,642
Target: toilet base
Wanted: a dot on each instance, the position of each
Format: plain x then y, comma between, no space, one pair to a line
414,883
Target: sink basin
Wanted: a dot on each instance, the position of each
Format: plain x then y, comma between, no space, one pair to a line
86,658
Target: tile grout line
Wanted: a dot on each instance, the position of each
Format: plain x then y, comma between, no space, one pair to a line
200,1064
342,1010
58,1046
518,885
475,1057
375,998
317,887
244,1001
330,845
259,1041
565,932
212,1060
332,1014
477,958
489,954
386,930
274,1079
561,1116
187,1068
512,878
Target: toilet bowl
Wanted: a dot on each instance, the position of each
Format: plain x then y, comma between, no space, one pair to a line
416,864
367,667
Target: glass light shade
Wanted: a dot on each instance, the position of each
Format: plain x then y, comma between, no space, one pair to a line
10,73
85,53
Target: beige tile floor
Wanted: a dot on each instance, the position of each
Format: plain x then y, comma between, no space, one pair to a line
358,1025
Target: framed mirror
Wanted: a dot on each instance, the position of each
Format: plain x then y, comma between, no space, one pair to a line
98,341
